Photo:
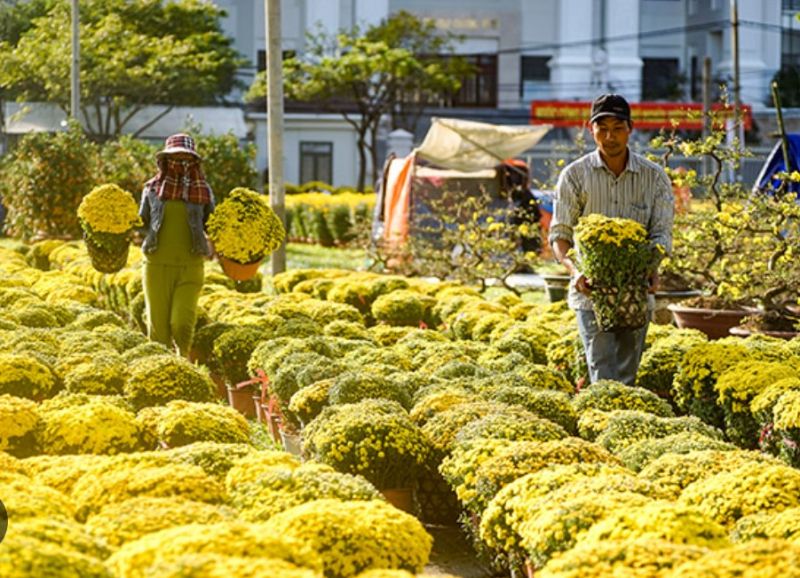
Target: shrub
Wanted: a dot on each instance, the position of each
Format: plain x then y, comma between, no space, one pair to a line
83,424
608,395
127,162
477,478
641,453
624,558
25,376
698,374
442,428
181,423
68,534
737,387
226,163
402,307
354,386
123,522
660,520
25,499
751,488
216,459
158,380
677,471
661,361
557,526
762,558
787,427
511,423
309,401
248,469
373,438
103,375
19,419
552,405
518,501
44,180
139,558
27,557
783,525
232,350
626,427
280,490
355,536
117,481
437,399
223,566
61,472
537,337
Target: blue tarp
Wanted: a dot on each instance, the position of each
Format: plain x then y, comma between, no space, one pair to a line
775,164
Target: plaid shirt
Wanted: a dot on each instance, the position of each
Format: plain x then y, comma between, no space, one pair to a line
181,180
642,192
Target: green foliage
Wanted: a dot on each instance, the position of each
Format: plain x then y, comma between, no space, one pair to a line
374,72
226,163
43,181
470,238
132,54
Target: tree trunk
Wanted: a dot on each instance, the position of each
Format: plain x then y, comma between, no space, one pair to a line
362,160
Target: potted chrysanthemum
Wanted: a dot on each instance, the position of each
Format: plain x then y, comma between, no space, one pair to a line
244,229
618,258
108,215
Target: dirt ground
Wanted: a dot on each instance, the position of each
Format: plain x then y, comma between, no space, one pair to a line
453,555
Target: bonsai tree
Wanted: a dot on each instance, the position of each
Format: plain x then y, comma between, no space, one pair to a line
736,245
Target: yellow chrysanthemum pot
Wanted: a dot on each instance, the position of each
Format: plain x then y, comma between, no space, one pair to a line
107,215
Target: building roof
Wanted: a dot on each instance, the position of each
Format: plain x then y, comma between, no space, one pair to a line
21,118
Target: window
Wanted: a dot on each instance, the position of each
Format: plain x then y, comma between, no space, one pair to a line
790,5
661,79
316,162
790,49
480,87
534,68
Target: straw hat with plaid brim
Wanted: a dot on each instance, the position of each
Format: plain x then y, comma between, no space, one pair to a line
178,143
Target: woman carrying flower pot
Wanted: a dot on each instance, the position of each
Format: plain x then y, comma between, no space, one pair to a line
612,181
176,204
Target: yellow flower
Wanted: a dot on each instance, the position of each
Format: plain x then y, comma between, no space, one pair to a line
108,209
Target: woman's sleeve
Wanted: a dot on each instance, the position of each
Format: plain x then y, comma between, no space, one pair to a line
144,209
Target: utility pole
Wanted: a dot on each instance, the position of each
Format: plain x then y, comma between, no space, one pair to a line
75,68
272,11
706,108
737,79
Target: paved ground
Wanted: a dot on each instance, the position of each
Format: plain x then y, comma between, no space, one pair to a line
453,555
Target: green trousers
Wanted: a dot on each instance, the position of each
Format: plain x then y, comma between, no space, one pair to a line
171,293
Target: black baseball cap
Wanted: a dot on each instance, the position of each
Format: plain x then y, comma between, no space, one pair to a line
610,105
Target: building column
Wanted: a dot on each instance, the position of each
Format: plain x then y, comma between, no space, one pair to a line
324,13
624,64
371,12
571,67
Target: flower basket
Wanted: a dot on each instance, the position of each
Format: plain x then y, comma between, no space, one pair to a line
239,271
110,255
244,229
616,256
107,216
620,309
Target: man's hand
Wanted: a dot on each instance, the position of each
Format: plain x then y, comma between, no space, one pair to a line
654,283
583,285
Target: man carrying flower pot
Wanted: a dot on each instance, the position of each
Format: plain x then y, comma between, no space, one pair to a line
615,182
176,204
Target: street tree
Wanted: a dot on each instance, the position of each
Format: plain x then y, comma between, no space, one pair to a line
134,53
371,75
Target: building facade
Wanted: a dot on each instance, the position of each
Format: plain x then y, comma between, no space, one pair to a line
524,50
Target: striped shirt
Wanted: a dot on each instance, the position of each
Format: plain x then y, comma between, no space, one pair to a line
642,192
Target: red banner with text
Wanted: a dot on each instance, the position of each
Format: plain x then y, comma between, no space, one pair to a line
645,115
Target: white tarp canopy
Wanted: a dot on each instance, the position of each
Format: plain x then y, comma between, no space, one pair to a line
467,145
